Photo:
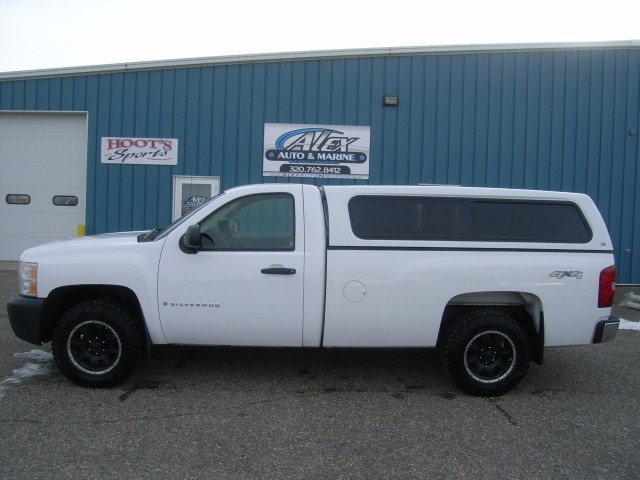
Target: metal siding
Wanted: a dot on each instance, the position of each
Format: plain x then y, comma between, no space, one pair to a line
102,183
482,123
55,94
167,104
469,109
15,95
19,95
507,101
245,124
416,119
219,105
532,133
567,174
117,175
451,167
127,122
188,129
204,124
558,106
6,95
91,106
581,144
630,182
595,122
634,82
403,125
618,159
390,122
325,74
443,119
232,126
351,96
257,112
138,97
30,95
378,138
495,120
42,95
337,93
518,150
541,119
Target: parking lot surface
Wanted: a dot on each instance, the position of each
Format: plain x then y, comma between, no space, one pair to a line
278,413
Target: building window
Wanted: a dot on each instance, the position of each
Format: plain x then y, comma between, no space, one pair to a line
18,199
65,201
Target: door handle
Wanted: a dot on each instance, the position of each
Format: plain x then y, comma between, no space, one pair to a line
279,271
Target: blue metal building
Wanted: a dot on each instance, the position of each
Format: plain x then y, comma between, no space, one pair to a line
551,117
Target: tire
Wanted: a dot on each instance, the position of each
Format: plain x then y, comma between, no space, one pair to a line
487,353
96,343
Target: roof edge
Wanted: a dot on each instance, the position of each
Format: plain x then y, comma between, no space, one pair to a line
315,55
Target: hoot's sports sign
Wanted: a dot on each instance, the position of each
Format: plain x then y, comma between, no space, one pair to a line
141,151
322,151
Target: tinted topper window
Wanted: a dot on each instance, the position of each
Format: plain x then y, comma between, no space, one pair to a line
429,218
411,218
530,222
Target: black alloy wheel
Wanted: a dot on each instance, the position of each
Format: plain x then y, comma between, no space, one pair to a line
490,356
487,353
94,347
96,343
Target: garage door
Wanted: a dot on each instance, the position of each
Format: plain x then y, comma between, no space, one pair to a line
43,160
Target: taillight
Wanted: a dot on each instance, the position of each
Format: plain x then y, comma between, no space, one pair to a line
607,287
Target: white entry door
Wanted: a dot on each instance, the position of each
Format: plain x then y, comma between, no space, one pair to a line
43,165
191,192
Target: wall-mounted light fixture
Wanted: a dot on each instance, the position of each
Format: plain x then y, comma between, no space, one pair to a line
390,100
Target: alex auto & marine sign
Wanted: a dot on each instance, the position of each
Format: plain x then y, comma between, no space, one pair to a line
321,151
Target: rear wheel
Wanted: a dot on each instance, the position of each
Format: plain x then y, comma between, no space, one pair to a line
96,343
487,353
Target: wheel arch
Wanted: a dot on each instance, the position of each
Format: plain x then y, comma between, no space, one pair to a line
525,308
63,298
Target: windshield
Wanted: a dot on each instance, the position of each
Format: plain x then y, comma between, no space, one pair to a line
169,228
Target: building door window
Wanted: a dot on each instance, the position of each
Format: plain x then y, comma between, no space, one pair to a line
191,192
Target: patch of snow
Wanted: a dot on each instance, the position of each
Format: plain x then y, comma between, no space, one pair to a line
36,355
631,300
29,369
632,305
628,325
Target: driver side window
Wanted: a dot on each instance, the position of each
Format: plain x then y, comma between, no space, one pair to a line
263,222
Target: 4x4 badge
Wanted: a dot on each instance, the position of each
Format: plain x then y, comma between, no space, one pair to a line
563,274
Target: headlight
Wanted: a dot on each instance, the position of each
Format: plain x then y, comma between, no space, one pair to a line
28,279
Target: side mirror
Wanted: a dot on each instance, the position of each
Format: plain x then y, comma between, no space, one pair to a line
191,241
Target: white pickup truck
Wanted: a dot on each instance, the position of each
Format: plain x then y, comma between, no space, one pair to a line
489,276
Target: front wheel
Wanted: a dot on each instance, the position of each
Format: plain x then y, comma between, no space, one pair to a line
96,343
487,353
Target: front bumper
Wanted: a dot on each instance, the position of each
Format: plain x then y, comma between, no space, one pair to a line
606,330
26,316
